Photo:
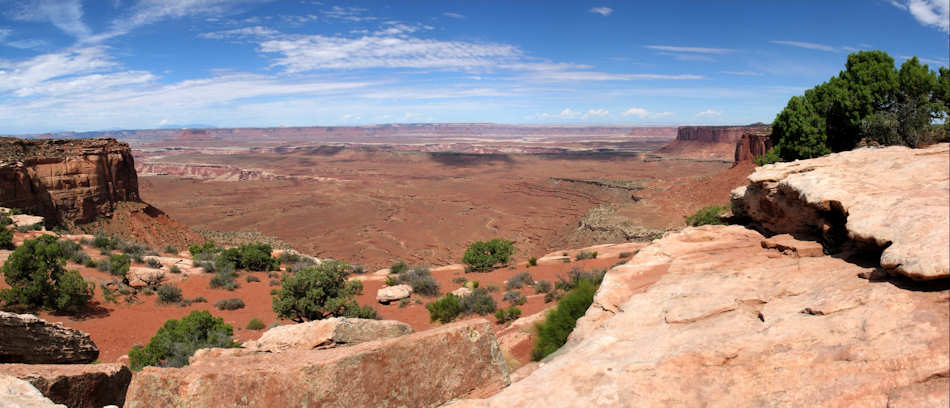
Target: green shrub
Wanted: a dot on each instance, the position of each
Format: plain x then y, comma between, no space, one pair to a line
492,288
91,263
624,255
174,269
532,261
176,341
585,255
255,324
171,250
203,249
479,302
471,285
391,281
103,241
445,309
153,263
543,286
578,275
769,157
519,281
251,278
118,265
514,297
557,326
229,304
288,257
37,278
199,299
169,293
319,292
460,280
483,256
223,280
507,315
552,296
404,302
273,282
257,257
357,269
397,267
421,281
707,216
6,239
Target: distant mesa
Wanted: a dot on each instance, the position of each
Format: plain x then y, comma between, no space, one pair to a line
714,142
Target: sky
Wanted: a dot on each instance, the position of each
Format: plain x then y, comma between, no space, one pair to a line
71,65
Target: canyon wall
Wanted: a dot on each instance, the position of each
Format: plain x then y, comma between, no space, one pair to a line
66,180
710,142
752,145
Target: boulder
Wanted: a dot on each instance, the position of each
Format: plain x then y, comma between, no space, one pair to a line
462,292
894,198
75,385
25,338
140,277
327,333
424,369
391,293
24,220
728,324
16,393
788,245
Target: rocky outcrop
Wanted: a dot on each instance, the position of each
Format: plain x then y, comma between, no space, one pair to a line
895,198
75,385
710,142
16,393
734,324
66,180
327,333
752,145
391,293
25,338
423,369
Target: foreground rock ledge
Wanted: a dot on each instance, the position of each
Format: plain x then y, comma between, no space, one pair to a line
25,338
75,385
893,197
732,324
424,369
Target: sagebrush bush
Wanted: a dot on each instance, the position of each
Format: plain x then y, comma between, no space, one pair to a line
479,302
176,341
543,286
169,293
229,304
153,263
577,275
118,265
255,324
421,280
397,267
251,278
507,315
519,281
174,269
557,326
707,216
445,309
171,250
585,255
483,256
318,292
514,297
223,280
532,261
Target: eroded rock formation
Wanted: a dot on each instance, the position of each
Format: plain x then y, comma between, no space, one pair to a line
66,180
893,198
752,145
423,369
75,385
25,338
710,142
16,393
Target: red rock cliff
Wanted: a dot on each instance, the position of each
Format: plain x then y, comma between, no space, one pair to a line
66,180
752,145
709,142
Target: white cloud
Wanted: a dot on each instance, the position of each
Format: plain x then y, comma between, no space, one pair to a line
604,11
926,60
698,50
35,71
352,14
636,112
65,15
709,113
935,13
743,73
604,76
453,15
242,33
807,45
595,113
688,57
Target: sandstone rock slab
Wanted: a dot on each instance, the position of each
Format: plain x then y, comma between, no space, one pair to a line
896,198
786,243
327,332
424,369
25,338
753,330
391,293
140,276
16,393
75,385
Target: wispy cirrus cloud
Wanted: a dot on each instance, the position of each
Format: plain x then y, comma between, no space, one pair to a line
709,113
695,50
806,45
453,15
643,113
65,15
933,61
930,13
604,11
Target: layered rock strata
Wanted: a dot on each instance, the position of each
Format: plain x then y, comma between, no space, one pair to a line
25,338
710,142
75,385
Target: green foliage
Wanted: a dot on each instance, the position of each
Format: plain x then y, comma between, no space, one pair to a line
514,297
471,284
37,278
869,99
174,269
251,278
507,315
707,216
229,304
397,267
153,263
103,241
483,256
585,255
319,292
421,280
553,332
391,281
532,261
519,281
203,249
177,340
577,275
479,302
119,265
769,157
255,324
543,286
445,309
169,293
6,239
223,280
171,250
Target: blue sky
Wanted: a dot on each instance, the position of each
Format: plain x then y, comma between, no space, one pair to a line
121,64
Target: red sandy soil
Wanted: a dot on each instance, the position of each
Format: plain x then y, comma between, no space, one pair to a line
115,328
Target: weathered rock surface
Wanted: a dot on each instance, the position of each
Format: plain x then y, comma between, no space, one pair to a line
729,324
423,369
25,338
603,251
787,244
462,292
752,145
710,142
391,293
16,393
327,333
75,385
141,276
894,198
